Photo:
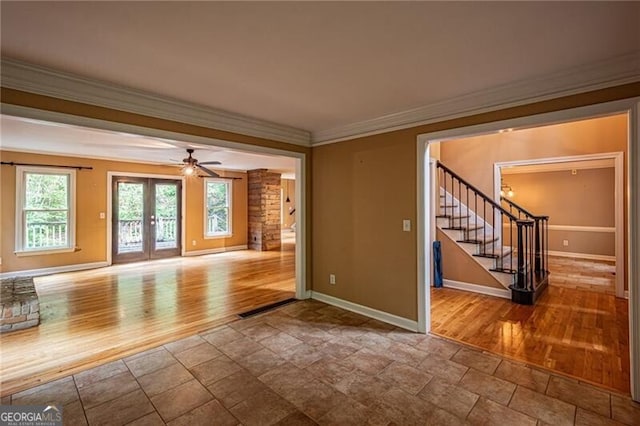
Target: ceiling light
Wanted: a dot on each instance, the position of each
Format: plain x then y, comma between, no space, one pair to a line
188,170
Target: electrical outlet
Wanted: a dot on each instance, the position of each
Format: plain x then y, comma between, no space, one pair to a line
102,215
574,172
406,225
332,279
565,243
193,242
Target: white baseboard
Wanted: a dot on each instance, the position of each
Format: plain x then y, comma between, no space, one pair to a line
582,255
53,270
215,250
475,288
366,311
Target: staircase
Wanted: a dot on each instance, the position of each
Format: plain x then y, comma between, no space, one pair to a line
509,242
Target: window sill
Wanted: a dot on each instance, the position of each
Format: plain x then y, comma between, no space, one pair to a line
43,252
217,237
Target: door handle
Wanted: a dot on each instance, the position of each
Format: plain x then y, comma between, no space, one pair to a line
153,222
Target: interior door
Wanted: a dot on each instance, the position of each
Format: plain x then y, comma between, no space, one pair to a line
146,220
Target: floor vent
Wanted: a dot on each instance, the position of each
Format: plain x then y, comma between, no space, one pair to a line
265,308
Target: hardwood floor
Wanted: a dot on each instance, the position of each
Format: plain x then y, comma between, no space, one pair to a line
91,317
577,332
592,275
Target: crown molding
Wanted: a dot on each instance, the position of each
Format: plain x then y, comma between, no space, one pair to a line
608,73
40,80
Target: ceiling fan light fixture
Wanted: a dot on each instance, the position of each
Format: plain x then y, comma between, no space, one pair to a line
188,170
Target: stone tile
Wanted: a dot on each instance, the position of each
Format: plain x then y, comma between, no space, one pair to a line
141,365
108,389
438,347
362,387
350,412
405,336
102,372
263,408
260,362
346,331
184,344
286,378
181,399
624,410
487,412
406,377
240,348
73,414
315,398
589,418
197,354
296,419
447,369
372,339
522,375
259,331
329,371
210,413
303,355
59,392
215,369
440,417
378,327
448,396
367,361
403,408
338,350
580,395
151,419
221,336
235,388
145,353
488,386
121,410
404,353
280,343
164,379
310,335
244,323
543,407
479,360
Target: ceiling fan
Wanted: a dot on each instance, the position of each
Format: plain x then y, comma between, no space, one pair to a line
192,165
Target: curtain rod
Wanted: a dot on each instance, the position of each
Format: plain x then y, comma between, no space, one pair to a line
11,163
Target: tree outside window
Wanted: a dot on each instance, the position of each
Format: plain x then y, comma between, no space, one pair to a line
217,207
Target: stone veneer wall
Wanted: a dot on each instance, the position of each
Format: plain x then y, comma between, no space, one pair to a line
19,304
264,210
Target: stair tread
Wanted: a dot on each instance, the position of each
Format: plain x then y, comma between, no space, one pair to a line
469,227
506,251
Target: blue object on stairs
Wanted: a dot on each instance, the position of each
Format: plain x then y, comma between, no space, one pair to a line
437,264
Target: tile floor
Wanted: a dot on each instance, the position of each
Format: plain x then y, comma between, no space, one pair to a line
310,363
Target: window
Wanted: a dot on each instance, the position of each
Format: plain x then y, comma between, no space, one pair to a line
45,210
217,206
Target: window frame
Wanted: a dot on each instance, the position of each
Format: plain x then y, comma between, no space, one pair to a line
20,218
229,184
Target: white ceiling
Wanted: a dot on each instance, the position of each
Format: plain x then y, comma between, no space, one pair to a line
26,135
317,65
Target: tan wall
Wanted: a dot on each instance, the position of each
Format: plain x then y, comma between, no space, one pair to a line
91,199
584,199
288,187
457,265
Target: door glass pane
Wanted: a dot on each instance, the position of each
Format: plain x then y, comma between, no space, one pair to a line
166,220
130,217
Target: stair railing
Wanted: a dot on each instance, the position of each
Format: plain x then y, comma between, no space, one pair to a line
540,232
519,230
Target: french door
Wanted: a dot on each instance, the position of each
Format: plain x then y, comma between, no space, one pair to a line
146,220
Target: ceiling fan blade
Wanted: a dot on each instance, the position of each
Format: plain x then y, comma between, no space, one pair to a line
210,163
207,171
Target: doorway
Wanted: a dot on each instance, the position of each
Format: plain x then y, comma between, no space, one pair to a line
146,219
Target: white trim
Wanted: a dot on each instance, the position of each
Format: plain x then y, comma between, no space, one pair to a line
53,270
606,163
109,218
475,288
301,228
618,160
626,294
608,73
229,233
587,256
32,78
401,322
629,106
215,250
572,228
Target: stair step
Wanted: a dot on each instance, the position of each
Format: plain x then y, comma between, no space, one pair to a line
448,206
506,251
470,227
504,270
485,239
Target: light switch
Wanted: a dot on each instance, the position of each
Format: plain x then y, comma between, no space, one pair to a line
102,215
406,225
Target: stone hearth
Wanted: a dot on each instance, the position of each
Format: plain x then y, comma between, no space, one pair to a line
20,305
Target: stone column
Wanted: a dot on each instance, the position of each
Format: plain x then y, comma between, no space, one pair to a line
264,210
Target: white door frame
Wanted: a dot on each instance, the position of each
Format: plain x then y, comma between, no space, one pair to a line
424,182
618,160
301,169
